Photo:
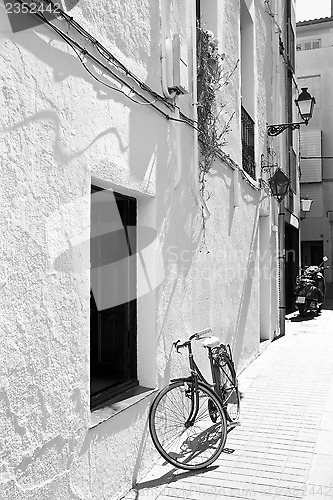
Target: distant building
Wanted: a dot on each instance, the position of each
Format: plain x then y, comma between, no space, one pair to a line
315,70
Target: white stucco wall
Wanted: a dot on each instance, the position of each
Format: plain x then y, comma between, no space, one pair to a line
61,130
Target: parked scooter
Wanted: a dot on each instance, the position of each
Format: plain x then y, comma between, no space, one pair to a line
311,289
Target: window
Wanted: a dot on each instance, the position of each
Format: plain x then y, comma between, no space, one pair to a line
198,11
309,45
289,202
291,46
247,89
310,152
289,103
112,296
292,169
247,60
248,160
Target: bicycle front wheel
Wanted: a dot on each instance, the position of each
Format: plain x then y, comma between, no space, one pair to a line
186,439
229,389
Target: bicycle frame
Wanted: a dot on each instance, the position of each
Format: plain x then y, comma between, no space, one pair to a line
196,377
188,418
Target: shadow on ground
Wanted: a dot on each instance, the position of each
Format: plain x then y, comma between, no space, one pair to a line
298,318
170,477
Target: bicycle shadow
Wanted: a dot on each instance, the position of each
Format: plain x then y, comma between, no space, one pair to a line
169,477
173,476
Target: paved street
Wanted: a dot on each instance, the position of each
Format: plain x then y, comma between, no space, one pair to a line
284,447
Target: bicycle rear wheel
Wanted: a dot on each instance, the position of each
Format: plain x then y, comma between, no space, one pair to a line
193,445
229,388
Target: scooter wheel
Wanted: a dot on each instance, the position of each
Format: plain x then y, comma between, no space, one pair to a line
302,309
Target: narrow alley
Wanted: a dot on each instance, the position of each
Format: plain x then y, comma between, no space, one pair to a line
284,446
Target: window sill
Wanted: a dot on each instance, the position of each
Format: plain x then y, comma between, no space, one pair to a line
119,404
254,183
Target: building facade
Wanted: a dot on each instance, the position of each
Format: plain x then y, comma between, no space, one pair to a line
135,211
314,70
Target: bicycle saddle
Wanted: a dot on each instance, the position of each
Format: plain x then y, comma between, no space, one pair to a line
211,342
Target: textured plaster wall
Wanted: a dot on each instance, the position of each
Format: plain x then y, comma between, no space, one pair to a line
53,142
216,283
44,313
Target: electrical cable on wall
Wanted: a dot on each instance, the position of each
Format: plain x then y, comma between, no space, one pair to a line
107,85
316,157
83,53
281,45
111,59
78,49
104,52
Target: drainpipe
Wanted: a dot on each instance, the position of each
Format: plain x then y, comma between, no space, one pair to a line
282,270
166,92
173,95
170,95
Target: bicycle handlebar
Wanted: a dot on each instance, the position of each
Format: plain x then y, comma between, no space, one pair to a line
178,346
196,336
201,334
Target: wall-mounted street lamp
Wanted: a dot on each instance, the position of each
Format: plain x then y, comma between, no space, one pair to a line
279,184
306,205
305,104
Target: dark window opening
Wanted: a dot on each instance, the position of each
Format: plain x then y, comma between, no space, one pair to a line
292,164
291,46
248,156
198,11
113,367
291,264
312,253
289,106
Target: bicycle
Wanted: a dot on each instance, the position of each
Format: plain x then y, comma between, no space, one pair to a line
188,418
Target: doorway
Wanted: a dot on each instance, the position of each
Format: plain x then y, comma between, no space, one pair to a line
312,253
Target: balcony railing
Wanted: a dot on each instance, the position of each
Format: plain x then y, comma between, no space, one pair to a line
248,162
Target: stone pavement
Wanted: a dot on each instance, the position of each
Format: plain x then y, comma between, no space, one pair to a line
284,446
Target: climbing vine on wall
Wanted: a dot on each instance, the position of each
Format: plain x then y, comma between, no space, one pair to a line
211,78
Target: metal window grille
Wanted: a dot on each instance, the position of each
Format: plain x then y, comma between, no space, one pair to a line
289,201
248,162
292,169
291,46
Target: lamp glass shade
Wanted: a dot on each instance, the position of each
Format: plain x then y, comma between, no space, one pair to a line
305,103
279,184
306,205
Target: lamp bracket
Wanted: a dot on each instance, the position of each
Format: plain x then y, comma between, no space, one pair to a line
266,167
274,130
